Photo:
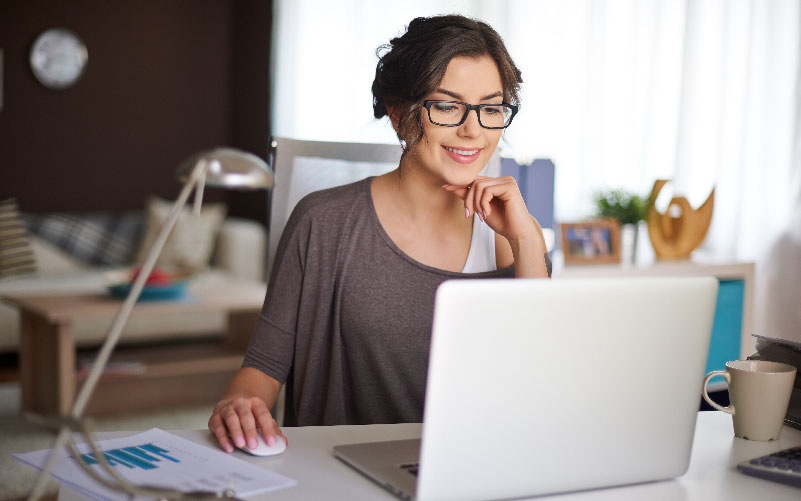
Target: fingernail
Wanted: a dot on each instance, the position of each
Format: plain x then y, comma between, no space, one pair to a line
445,185
253,443
239,441
271,440
229,448
466,213
480,217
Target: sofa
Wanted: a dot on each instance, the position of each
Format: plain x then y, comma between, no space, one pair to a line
239,249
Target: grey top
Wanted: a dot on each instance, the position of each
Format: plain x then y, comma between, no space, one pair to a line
346,323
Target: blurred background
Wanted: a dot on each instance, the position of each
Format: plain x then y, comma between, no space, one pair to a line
617,93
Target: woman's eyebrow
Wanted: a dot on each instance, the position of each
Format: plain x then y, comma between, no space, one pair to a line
459,96
492,96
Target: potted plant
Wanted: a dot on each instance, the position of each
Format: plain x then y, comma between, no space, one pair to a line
629,209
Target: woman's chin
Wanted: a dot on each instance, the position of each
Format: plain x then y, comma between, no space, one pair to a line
461,178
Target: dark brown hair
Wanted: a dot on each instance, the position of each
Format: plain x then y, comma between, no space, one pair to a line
412,65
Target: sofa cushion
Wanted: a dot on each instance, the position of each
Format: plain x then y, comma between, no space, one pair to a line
16,256
52,260
96,238
191,242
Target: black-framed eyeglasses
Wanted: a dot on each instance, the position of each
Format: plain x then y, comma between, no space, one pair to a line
454,113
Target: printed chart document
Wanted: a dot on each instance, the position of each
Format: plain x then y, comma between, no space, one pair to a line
162,459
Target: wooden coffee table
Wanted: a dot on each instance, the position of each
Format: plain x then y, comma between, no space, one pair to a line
166,375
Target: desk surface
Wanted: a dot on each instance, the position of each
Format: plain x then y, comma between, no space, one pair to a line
722,268
712,474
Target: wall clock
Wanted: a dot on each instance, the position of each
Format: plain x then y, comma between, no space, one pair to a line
58,58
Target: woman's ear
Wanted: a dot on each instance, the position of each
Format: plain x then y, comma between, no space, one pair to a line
394,117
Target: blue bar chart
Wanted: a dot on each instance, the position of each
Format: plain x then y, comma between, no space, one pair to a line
144,456
158,458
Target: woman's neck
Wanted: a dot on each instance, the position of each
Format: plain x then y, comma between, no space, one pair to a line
418,196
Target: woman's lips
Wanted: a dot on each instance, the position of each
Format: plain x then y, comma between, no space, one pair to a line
462,155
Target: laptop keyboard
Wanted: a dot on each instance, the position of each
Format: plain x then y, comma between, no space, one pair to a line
783,466
411,468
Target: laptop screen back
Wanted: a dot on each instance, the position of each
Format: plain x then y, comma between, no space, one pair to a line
544,386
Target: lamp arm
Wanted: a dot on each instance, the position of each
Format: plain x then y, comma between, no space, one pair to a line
113,335
136,289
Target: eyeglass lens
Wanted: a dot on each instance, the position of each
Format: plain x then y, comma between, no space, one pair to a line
451,113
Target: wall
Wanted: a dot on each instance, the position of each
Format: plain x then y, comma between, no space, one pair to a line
164,80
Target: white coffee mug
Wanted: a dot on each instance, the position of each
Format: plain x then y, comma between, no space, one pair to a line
759,392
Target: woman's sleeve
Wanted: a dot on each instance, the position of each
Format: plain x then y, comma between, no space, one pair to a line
272,346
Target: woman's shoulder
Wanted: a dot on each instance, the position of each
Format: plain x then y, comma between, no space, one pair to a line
333,201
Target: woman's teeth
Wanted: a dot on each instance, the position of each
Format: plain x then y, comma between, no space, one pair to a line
461,152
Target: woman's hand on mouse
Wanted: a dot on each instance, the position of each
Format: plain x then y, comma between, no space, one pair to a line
498,202
238,419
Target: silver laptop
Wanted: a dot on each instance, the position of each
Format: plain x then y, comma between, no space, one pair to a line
547,386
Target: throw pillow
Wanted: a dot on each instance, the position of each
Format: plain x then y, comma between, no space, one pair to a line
16,256
94,238
191,243
52,260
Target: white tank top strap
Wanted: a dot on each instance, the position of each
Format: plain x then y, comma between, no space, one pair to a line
481,256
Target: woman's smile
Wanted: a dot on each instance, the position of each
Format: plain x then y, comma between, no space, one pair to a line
462,155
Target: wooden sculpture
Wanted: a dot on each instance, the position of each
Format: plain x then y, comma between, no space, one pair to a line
674,237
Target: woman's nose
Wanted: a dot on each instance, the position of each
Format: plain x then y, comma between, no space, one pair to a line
471,126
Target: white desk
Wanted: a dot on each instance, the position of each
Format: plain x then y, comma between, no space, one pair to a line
712,474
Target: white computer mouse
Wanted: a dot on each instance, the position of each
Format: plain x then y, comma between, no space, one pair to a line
265,450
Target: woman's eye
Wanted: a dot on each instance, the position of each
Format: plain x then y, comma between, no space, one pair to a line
492,110
444,107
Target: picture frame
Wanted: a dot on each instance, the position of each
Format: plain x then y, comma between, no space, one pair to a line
595,241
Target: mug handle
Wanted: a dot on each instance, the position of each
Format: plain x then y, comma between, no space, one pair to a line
724,375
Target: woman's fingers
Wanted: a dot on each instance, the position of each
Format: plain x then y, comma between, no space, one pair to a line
231,420
217,427
240,419
483,200
503,188
459,191
244,409
268,425
478,195
466,193
275,425
497,201
462,192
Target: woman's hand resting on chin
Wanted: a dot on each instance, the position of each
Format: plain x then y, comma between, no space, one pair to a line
497,201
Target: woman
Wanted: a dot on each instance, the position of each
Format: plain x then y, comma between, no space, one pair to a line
347,319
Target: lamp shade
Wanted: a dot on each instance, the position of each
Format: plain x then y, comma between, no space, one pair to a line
230,168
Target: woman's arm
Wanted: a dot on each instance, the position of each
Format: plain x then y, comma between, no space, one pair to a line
245,405
530,258
244,408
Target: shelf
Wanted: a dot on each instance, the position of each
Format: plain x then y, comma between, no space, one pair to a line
174,375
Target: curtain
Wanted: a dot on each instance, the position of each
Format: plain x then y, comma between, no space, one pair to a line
618,93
